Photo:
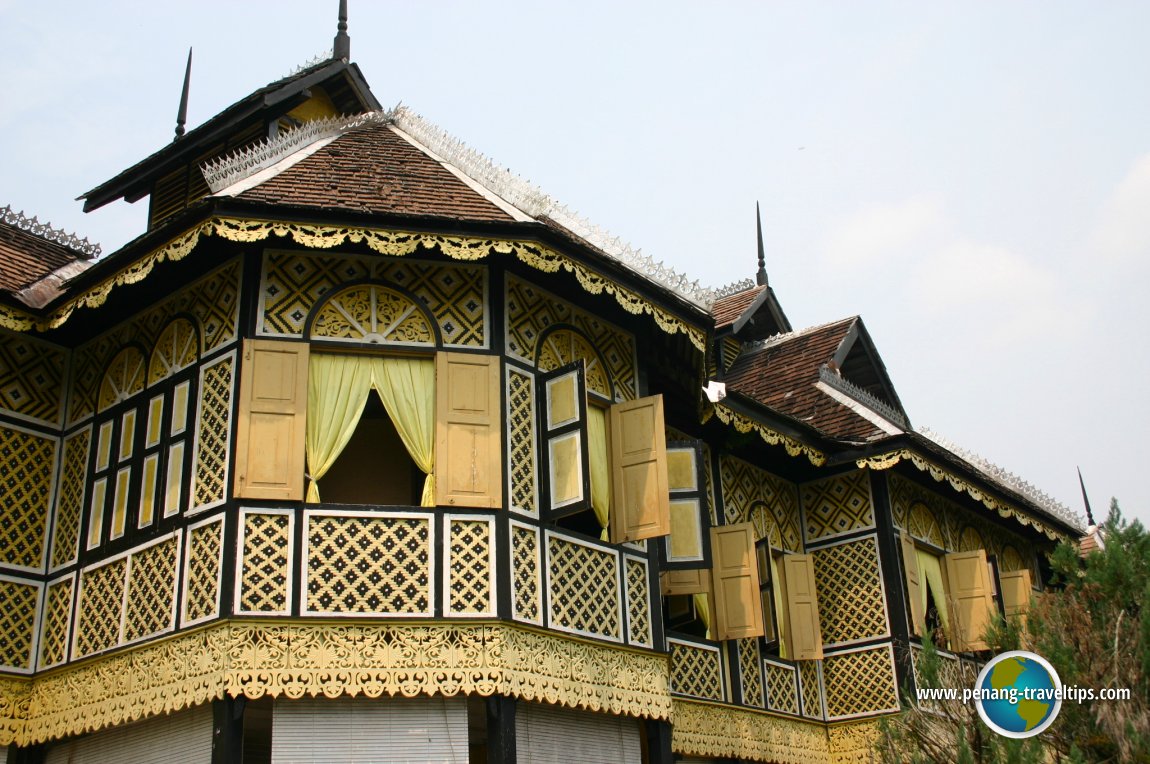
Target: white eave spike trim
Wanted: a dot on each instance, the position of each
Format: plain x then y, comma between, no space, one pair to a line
859,408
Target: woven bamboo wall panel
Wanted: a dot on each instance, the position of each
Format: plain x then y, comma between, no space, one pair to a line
754,495
782,688
101,607
264,563
214,433
849,584
151,591
860,682
809,689
17,623
32,378
521,441
25,490
751,672
470,567
696,671
583,591
526,573
70,498
638,602
55,623
837,505
202,579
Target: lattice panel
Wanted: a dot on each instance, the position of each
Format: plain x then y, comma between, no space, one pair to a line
837,505
750,672
25,487
369,564
851,602
860,683
696,671
54,629
638,602
809,689
371,313
177,348
530,311
202,585
469,583
782,690
746,487
213,301
294,282
151,591
265,570
101,603
17,624
521,440
32,378
951,673
584,588
70,498
564,346
525,569
214,434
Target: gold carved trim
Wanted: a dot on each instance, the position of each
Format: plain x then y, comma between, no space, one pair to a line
294,659
708,729
395,243
853,743
746,424
891,458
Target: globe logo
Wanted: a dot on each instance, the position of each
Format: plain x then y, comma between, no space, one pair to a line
1018,694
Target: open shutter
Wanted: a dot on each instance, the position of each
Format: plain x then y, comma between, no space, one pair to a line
738,609
913,585
1015,592
639,470
272,420
468,431
563,422
969,598
806,638
691,581
688,543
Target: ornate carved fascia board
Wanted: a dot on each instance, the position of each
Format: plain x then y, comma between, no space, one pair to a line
254,659
709,729
386,242
744,423
853,743
891,458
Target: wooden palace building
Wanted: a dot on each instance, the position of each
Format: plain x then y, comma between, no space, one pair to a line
367,451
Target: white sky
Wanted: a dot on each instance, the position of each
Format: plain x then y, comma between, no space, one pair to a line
973,178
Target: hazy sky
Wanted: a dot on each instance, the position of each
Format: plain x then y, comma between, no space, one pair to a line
972,178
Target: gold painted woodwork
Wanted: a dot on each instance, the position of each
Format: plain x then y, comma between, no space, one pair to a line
265,574
583,588
771,437
806,642
371,313
564,346
809,692
752,494
837,505
750,672
860,682
29,467
271,421
32,374
710,729
293,660
521,455
850,593
123,378
526,571
469,585
782,688
203,560
914,584
1016,591
641,500
54,623
639,625
468,431
853,743
18,617
70,498
176,348
696,670
969,599
213,433
738,608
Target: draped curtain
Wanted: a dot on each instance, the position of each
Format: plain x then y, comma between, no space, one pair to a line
780,607
599,466
930,571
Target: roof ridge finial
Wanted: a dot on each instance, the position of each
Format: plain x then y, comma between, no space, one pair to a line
761,274
1085,499
341,46
182,115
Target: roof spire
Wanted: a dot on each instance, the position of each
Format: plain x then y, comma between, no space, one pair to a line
341,47
1085,500
182,115
761,275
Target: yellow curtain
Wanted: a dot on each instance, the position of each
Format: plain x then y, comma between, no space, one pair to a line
600,469
407,388
338,386
780,607
703,610
930,573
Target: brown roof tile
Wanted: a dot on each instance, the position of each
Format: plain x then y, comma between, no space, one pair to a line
375,170
727,310
782,374
26,258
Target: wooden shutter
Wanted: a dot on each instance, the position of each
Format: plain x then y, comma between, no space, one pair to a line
468,431
738,609
687,544
914,607
1016,591
272,420
639,470
969,599
690,581
806,642
563,422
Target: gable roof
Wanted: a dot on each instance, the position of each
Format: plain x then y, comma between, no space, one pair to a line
727,310
31,251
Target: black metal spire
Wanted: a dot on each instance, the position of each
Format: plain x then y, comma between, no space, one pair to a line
761,275
341,47
1085,499
182,116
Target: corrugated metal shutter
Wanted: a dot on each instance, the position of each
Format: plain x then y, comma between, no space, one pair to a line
554,735
694,760
369,730
185,736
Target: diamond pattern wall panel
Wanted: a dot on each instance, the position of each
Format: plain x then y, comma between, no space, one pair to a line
696,671
202,579
837,505
782,688
521,441
860,682
17,623
265,563
751,672
456,295
470,566
32,378
70,498
638,602
754,495
101,605
525,571
214,434
531,310
369,564
151,591
809,689
851,601
25,489
584,588
57,618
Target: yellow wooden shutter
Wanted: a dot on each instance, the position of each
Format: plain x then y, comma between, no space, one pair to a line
806,641
913,585
688,581
468,431
738,609
641,503
272,421
566,470
1015,592
969,598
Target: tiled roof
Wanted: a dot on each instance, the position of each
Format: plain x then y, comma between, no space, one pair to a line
375,170
782,373
727,310
27,256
